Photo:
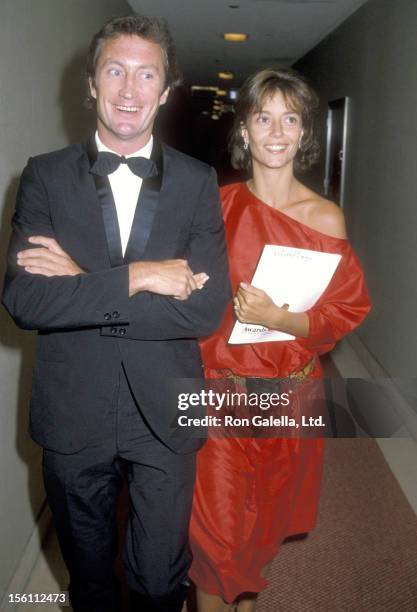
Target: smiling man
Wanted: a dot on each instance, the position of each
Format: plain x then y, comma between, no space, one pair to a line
117,258
128,84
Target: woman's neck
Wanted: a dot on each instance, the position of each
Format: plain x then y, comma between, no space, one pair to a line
276,187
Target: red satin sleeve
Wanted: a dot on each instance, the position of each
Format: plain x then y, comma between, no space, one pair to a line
341,308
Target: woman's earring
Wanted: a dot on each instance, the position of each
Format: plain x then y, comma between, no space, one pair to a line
245,145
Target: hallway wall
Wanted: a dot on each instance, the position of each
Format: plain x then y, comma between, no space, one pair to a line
42,46
371,59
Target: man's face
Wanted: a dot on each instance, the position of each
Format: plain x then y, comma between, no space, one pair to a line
129,89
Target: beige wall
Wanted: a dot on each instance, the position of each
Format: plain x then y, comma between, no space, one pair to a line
42,44
372,58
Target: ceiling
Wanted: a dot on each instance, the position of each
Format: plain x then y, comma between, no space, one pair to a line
280,32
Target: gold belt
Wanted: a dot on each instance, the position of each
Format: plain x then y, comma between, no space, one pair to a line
305,371
298,376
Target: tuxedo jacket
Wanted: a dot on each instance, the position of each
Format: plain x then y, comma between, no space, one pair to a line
87,324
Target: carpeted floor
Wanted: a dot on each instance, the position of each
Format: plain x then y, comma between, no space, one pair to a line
362,557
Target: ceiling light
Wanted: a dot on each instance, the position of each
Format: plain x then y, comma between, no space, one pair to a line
226,75
203,88
215,117
235,36
221,92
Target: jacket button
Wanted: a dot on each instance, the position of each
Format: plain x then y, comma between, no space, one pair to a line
107,316
122,331
114,330
116,314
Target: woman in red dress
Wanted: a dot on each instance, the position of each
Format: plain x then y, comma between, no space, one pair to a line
252,493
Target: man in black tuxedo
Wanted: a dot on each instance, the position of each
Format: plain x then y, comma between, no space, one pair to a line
120,264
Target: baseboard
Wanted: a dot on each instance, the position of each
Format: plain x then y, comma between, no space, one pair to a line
401,456
29,557
353,360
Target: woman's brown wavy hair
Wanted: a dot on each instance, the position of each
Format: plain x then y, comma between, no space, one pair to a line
298,95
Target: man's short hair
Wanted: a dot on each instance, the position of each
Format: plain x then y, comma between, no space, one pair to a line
151,29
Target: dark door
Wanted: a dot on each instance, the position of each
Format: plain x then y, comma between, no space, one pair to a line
336,150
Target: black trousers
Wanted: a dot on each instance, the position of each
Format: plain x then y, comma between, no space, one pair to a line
82,490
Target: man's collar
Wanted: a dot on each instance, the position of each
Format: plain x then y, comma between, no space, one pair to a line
143,152
153,183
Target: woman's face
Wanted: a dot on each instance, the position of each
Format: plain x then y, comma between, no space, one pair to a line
273,134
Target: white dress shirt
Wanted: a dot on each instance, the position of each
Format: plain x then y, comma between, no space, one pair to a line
125,187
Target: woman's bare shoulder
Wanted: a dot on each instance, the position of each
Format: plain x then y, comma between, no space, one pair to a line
323,215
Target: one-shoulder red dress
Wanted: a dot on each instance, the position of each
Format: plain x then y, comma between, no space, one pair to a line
250,493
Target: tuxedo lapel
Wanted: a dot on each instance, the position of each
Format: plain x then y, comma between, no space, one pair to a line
108,209
146,208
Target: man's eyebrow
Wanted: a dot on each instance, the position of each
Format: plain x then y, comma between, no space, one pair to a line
148,67
110,60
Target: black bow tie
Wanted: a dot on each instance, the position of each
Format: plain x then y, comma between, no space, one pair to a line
107,162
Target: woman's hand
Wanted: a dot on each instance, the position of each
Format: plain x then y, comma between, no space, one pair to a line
252,305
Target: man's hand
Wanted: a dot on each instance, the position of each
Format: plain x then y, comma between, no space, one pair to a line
171,277
47,259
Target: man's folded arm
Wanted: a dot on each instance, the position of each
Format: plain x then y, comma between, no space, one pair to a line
101,298
37,302
202,312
